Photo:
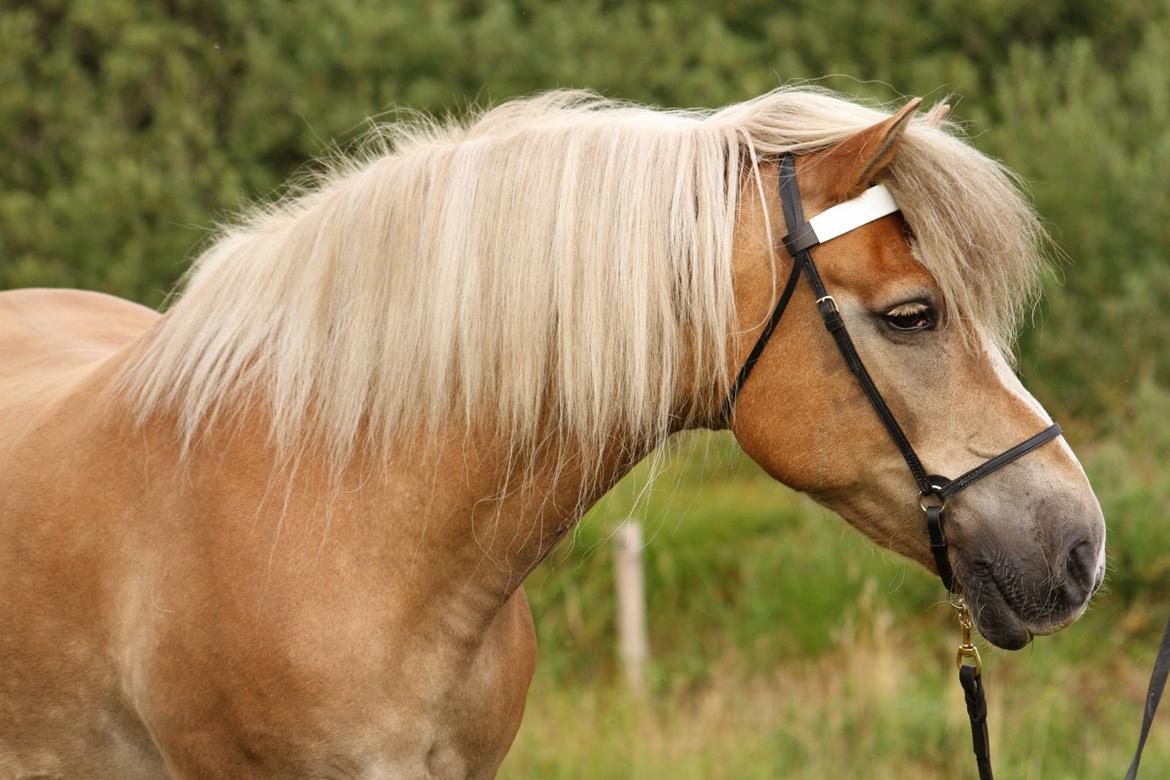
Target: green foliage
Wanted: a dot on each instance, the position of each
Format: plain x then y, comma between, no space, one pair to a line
732,555
728,549
130,128
1097,159
1134,486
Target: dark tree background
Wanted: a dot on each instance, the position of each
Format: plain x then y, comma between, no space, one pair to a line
129,128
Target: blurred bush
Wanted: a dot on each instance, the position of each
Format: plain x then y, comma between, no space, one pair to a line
129,128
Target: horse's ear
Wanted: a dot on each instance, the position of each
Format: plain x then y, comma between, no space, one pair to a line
937,114
852,165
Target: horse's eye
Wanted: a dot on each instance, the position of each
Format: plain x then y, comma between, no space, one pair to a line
911,317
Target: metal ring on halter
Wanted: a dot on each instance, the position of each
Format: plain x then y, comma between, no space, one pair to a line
934,492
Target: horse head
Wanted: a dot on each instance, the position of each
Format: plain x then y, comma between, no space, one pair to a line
1027,544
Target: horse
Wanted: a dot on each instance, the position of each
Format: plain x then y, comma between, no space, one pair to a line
282,529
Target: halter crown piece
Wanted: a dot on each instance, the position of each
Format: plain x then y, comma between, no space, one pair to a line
934,490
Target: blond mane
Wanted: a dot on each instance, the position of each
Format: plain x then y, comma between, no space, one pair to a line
558,260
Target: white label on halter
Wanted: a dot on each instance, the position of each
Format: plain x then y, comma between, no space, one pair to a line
874,203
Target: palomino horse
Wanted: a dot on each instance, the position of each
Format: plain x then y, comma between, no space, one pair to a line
281,530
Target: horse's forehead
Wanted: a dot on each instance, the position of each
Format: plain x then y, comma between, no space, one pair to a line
875,261
866,260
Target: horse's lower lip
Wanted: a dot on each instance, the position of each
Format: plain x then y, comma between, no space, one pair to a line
996,620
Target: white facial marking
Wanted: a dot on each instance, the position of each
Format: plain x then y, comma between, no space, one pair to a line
1011,383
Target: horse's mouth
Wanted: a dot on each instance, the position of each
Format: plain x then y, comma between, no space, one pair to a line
1010,617
996,619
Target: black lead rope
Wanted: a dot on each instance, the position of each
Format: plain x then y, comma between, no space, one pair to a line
1153,697
972,683
933,489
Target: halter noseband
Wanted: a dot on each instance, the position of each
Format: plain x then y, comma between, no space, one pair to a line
802,236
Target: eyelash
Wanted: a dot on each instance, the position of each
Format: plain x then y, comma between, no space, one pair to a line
911,317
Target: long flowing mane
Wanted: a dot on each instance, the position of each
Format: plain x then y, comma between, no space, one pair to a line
562,259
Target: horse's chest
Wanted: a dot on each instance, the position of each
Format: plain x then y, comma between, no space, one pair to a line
353,703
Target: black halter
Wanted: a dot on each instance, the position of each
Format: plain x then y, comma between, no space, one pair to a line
934,490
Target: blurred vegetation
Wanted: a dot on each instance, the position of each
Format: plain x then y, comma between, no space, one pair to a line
128,128
783,644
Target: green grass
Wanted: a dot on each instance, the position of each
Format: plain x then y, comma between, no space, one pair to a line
883,704
786,645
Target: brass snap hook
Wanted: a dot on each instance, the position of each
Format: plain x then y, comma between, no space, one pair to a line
967,653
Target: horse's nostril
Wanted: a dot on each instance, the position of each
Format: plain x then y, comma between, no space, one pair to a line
1081,570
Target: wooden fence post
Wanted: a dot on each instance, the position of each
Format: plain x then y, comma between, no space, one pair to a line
633,644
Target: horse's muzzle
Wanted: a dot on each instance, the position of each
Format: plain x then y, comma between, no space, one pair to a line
1013,600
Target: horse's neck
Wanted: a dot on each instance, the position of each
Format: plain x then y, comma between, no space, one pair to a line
500,518
451,513
453,524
